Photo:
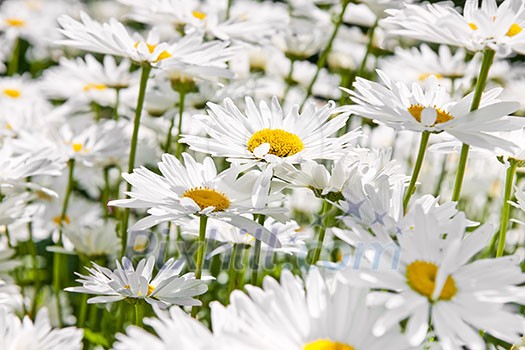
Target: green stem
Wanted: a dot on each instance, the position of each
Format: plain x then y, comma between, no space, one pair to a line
178,149
232,275
369,46
57,263
257,254
12,67
228,9
505,210
105,193
8,236
200,253
146,68
442,176
425,135
488,59
322,232
83,311
34,262
117,103
67,195
324,55
288,81
139,314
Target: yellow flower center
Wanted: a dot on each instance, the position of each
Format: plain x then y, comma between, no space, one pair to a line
151,47
90,86
8,126
514,29
282,143
77,147
441,116
421,277
150,289
15,22
199,15
13,93
424,76
56,220
206,197
325,344
473,26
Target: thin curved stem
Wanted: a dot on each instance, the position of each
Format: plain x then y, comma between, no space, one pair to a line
257,254
488,59
146,68
178,150
425,135
322,232
200,253
324,55
505,210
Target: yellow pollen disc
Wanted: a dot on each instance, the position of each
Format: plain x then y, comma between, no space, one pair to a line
89,87
56,220
151,289
151,47
8,126
77,147
199,15
163,55
13,93
473,26
325,344
441,117
282,143
15,22
424,76
514,29
207,197
421,277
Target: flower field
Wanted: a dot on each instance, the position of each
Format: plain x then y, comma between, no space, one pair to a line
267,175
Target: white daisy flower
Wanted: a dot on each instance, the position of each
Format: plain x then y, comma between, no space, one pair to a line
16,168
125,282
93,241
417,64
99,144
431,278
268,134
174,329
294,315
193,57
195,189
29,335
86,79
430,108
479,27
112,38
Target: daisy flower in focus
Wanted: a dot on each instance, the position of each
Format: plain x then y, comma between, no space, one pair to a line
433,278
316,314
125,282
430,108
26,334
195,189
479,27
268,134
